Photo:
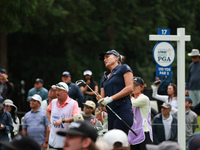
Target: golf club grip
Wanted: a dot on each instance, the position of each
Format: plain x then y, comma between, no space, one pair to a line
89,87
121,120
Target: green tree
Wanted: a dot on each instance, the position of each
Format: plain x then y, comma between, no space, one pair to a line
55,36
11,13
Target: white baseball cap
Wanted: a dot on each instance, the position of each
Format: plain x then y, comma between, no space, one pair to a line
116,135
63,86
37,98
53,87
87,72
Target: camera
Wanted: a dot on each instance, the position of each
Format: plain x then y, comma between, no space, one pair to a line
158,82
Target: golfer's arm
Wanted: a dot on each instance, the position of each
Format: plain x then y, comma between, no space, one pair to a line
96,89
103,93
128,79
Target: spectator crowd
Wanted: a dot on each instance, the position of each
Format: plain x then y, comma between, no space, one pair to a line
77,116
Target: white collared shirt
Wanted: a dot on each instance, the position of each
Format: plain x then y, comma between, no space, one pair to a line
167,126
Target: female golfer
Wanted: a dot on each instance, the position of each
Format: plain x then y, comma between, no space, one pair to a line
170,98
142,117
116,85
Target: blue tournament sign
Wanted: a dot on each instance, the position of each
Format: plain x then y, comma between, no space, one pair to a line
164,55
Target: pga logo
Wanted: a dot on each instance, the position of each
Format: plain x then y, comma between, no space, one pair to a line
164,54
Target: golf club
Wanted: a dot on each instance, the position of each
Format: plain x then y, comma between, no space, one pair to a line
82,81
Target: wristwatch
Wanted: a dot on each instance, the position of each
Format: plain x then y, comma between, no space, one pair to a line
63,120
46,142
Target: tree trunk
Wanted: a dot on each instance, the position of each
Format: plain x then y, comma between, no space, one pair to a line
3,50
110,30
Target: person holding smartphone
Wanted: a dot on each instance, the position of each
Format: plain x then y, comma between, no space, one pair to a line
6,87
170,98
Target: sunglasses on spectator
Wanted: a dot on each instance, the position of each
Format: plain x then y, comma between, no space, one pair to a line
60,85
88,107
194,56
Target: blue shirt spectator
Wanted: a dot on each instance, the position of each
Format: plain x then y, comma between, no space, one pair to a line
75,93
74,90
35,123
38,89
193,78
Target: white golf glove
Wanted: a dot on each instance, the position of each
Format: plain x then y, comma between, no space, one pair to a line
105,101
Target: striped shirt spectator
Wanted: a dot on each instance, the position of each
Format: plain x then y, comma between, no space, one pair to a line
35,123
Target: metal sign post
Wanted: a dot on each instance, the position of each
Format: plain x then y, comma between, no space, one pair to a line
181,38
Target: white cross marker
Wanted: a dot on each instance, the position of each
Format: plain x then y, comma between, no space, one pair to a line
180,38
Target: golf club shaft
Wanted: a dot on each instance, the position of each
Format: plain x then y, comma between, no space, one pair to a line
110,109
121,120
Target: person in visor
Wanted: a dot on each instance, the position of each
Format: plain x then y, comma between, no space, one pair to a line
116,85
142,117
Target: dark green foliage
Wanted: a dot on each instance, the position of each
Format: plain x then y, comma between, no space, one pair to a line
47,37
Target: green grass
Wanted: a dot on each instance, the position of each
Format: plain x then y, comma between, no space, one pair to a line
198,129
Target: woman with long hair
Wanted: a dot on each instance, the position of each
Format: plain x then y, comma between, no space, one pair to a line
89,80
12,109
116,85
170,98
